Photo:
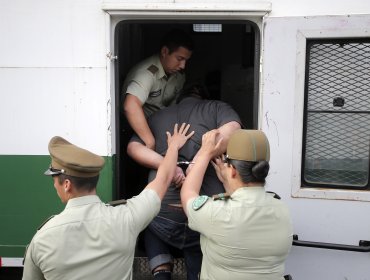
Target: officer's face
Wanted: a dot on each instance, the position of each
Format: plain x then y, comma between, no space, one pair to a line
175,61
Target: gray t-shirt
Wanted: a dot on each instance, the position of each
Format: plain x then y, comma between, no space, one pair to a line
203,116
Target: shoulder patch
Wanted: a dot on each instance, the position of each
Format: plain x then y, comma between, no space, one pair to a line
199,202
152,69
44,223
221,196
155,93
117,202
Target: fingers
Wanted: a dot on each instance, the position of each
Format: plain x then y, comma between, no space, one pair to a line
190,134
184,128
175,129
168,136
179,180
210,136
217,162
179,177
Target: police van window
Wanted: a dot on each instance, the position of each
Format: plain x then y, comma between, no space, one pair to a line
337,114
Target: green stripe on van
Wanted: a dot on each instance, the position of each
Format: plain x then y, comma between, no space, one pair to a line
27,198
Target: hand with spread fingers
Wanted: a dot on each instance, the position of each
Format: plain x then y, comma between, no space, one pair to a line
179,137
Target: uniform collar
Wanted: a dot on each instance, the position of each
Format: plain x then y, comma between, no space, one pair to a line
248,192
83,200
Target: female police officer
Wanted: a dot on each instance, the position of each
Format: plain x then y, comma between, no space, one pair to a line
245,233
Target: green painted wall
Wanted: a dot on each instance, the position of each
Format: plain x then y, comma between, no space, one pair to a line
28,198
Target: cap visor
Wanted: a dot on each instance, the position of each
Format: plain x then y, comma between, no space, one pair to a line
51,173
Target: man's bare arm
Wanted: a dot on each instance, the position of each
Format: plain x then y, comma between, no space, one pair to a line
134,113
224,132
143,155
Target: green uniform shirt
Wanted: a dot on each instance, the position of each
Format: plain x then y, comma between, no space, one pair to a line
246,237
90,240
148,82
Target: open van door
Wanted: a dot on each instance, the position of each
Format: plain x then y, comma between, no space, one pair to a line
316,107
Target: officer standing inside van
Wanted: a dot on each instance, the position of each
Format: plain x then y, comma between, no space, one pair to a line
155,82
246,234
89,239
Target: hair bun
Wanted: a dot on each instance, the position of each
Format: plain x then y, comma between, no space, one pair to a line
260,170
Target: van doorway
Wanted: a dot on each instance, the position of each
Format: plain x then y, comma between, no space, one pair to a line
225,59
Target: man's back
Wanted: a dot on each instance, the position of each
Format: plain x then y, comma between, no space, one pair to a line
203,116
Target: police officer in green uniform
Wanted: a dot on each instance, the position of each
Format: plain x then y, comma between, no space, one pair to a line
155,82
246,233
90,239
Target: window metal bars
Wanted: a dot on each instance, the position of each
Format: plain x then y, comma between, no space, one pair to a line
337,119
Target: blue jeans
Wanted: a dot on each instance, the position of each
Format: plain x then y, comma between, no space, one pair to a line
164,237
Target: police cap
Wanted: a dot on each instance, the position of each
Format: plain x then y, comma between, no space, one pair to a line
248,145
69,159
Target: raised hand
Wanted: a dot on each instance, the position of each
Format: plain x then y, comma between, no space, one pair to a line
178,178
218,164
179,136
210,145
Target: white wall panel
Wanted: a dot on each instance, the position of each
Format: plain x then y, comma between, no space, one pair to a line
280,8
315,219
40,103
52,33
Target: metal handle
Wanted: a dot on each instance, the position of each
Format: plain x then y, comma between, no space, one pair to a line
364,245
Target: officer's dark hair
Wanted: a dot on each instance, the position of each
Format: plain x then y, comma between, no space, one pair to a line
177,38
251,171
80,183
194,90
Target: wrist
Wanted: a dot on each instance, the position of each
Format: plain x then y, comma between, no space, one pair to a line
204,156
173,146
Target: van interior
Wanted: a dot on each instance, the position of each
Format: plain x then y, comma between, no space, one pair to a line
225,60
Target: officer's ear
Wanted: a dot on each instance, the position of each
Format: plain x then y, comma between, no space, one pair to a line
67,184
232,171
164,51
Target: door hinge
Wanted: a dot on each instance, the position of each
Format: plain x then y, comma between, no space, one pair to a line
111,56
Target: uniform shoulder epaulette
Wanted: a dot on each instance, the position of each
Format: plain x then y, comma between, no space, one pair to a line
221,196
152,69
199,202
44,223
274,195
117,202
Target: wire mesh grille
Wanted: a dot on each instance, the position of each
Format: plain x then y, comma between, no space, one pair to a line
339,69
141,269
338,134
